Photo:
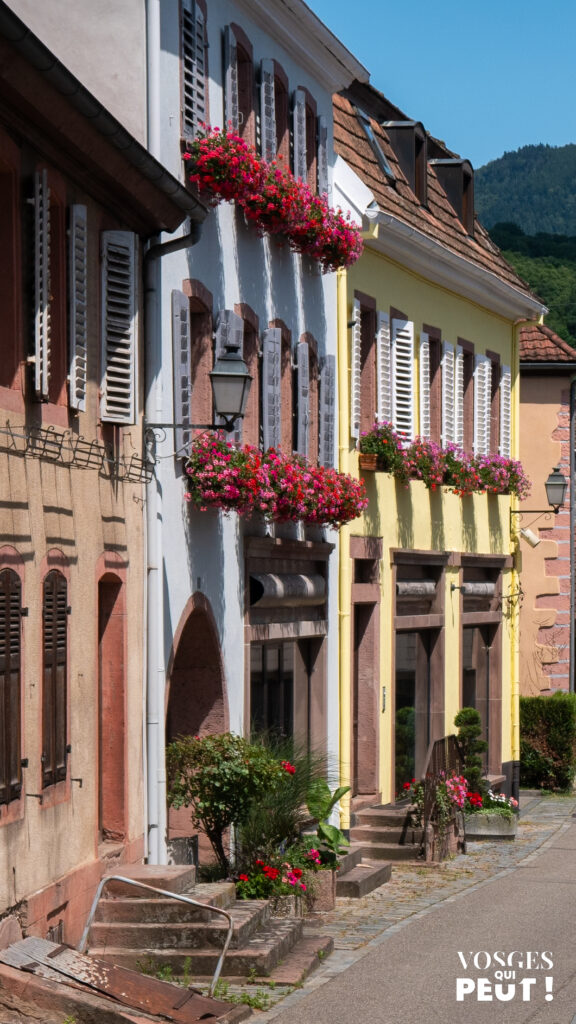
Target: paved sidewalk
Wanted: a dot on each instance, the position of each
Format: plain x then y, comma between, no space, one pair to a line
360,925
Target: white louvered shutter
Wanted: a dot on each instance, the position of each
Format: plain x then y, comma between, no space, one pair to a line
424,371
448,394
181,371
271,372
327,412
322,157
506,412
193,68
119,305
482,396
231,102
384,368
299,135
403,377
355,357
78,277
41,284
303,400
459,397
267,110
230,334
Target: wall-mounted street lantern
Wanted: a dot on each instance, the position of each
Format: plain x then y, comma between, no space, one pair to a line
556,486
230,382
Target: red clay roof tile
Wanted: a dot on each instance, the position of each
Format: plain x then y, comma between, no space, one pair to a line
539,344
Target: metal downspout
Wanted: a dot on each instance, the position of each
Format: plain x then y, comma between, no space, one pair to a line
344,590
572,494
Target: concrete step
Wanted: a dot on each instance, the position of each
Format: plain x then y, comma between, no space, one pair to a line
132,909
172,877
248,916
393,817
386,834
311,951
260,954
363,878
386,851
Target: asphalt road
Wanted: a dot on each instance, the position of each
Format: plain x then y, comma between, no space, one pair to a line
412,976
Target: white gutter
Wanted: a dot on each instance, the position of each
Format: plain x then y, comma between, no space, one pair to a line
307,40
437,263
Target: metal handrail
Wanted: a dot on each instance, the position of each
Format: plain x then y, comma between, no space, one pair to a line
81,947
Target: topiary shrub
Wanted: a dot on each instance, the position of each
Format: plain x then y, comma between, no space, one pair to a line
548,741
469,725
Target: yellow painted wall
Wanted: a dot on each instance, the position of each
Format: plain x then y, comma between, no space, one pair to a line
413,517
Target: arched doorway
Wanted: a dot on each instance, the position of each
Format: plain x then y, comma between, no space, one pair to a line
197,703
112,712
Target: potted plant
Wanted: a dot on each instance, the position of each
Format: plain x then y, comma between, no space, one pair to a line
381,448
490,816
331,843
444,830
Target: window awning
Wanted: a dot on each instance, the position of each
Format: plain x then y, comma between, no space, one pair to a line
292,590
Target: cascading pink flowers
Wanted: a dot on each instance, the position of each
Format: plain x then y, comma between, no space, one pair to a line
225,167
280,487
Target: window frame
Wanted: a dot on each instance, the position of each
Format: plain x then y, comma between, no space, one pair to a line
55,658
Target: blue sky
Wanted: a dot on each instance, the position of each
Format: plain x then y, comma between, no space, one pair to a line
485,77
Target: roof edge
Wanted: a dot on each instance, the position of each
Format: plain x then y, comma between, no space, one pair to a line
399,240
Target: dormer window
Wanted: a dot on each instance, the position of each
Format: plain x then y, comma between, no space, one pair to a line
375,144
457,179
409,142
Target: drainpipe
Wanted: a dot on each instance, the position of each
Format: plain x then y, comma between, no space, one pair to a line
345,563
154,618
572,441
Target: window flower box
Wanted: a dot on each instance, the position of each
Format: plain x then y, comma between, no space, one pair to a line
224,167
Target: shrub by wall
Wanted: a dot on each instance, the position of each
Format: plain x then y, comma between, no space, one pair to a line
548,741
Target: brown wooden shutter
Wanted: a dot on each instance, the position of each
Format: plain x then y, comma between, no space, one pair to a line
54,728
10,697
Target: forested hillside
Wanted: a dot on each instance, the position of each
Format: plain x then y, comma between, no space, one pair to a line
534,187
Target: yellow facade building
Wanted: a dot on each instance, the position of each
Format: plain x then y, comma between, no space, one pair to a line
428,343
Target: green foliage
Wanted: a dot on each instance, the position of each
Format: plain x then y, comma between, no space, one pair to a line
548,741
554,281
321,802
220,777
277,818
404,748
535,187
469,725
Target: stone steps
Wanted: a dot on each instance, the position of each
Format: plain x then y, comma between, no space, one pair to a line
190,933
363,878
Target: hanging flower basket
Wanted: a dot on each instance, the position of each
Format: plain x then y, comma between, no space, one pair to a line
224,167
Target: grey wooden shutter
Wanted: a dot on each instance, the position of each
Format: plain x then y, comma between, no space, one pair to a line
10,660
118,327
424,368
54,700
181,371
267,110
303,400
193,67
231,104
271,374
327,412
482,399
229,334
78,299
505,412
459,397
41,284
299,135
403,377
322,157
448,394
355,382
384,367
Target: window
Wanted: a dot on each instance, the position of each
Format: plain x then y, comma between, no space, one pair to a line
465,382
193,57
239,83
363,364
119,304
10,728
456,177
272,688
431,379
375,143
54,699
50,356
